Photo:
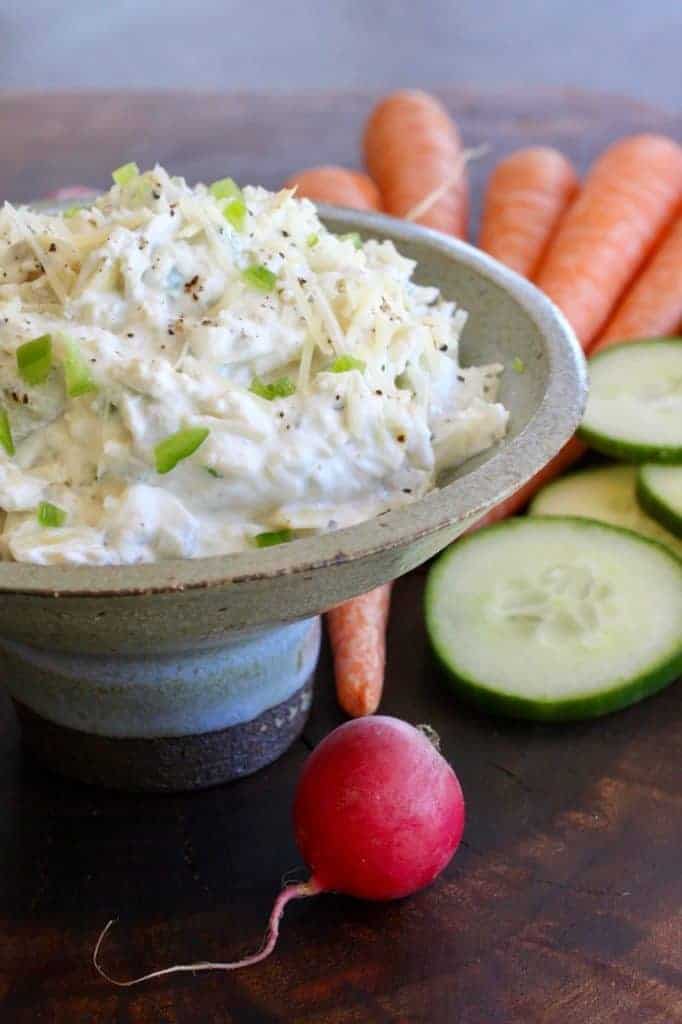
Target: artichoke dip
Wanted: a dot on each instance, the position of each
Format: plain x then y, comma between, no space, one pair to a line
188,372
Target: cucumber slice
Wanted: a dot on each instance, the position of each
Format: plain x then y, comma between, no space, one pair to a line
634,409
556,618
608,494
659,489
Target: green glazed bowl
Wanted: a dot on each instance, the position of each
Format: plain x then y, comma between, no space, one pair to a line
182,674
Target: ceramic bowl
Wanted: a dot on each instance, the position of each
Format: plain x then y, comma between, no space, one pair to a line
183,674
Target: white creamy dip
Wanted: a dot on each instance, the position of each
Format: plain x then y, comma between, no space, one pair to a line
212,369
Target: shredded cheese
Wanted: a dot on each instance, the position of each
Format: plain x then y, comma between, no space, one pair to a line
211,378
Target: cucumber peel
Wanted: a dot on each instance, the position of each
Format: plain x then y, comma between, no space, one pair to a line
659,491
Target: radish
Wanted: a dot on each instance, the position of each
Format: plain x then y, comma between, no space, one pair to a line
378,814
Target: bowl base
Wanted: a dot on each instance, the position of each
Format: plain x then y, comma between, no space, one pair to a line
167,764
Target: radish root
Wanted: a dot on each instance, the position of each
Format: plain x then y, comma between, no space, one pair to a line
291,892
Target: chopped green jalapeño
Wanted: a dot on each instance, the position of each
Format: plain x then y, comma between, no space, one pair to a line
50,515
6,432
353,237
34,359
269,539
342,364
125,174
284,387
259,277
178,446
235,214
225,188
77,375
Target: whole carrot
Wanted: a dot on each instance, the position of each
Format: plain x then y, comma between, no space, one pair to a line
413,152
653,306
357,633
628,197
336,185
527,193
357,628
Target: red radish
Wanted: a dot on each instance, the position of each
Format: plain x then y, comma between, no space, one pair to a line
378,811
378,815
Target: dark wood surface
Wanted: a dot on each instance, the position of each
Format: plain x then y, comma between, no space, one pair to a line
564,902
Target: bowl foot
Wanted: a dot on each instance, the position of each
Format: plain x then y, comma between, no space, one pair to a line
167,764
168,722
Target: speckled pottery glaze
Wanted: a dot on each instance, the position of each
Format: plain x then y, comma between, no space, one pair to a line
182,674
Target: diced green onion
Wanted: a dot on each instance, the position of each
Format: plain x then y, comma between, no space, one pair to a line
6,432
281,388
50,515
34,359
76,371
125,174
235,214
353,237
312,240
342,364
518,364
177,447
225,188
259,277
268,540
71,211
213,472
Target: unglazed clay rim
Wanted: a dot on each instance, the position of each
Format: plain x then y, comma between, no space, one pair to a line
515,461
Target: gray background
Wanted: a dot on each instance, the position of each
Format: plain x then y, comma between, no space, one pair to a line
633,47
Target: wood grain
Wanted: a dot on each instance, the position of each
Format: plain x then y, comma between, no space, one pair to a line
564,902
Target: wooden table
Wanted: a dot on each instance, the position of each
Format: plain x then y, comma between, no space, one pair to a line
564,903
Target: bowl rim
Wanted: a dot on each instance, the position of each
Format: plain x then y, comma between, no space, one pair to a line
511,464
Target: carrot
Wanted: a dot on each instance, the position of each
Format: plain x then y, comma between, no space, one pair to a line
413,152
336,185
653,306
357,628
527,193
629,195
357,633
